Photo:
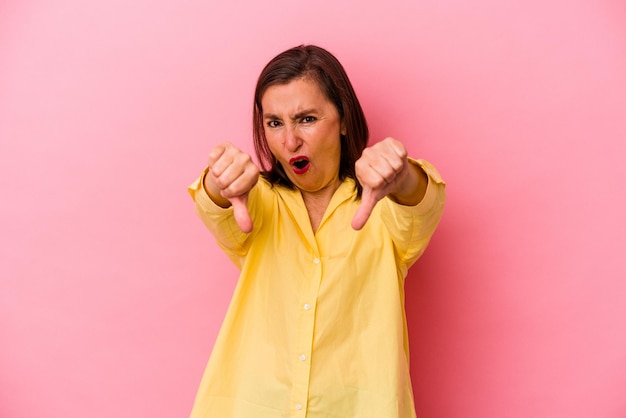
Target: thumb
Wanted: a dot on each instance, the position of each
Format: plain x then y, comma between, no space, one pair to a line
368,201
240,210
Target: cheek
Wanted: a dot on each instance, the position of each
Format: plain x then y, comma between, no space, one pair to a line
333,143
272,143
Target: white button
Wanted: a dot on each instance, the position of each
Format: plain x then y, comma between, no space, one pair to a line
302,357
299,406
316,260
307,306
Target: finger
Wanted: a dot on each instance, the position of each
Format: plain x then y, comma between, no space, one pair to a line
238,180
378,168
390,156
397,147
390,162
229,179
240,210
229,158
215,154
368,202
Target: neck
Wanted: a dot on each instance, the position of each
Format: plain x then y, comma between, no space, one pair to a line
317,202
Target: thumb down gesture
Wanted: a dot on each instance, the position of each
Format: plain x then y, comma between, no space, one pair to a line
232,174
382,170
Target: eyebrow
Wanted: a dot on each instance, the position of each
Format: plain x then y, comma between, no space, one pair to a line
298,115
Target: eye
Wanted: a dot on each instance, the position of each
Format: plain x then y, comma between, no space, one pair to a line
309,119
273,123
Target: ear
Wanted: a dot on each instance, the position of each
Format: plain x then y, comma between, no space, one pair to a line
343,128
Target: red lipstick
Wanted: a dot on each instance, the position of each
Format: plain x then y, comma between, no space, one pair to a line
300,164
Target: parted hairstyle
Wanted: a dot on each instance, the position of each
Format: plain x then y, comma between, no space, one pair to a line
314,63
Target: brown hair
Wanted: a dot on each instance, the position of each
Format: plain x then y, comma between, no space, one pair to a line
321,66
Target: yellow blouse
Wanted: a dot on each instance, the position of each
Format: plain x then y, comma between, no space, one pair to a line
316,327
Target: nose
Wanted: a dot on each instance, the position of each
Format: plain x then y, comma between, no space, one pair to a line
292,140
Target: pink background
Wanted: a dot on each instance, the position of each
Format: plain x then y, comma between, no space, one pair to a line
112,292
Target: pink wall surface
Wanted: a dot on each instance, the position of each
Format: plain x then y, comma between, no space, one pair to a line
111,291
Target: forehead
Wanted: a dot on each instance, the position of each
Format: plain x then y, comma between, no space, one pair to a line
295,95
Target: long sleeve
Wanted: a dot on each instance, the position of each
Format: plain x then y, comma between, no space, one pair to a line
411,227
221,222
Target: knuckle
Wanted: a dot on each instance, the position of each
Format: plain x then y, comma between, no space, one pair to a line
378,182
220,184
397,165
360,166
367,152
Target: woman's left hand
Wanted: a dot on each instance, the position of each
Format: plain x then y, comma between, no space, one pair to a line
383,169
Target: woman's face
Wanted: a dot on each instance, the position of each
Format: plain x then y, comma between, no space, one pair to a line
303,129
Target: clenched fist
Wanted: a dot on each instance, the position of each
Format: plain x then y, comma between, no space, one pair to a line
382,170
232,174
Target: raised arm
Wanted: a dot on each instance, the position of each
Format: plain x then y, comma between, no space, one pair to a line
384,170
231,176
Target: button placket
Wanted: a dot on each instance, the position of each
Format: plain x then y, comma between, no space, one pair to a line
304,343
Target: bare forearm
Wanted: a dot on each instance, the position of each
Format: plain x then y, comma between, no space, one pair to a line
412,188
214,191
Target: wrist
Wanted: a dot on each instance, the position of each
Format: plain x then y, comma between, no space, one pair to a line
412,188
213,191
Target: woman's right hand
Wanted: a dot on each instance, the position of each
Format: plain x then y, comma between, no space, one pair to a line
231,176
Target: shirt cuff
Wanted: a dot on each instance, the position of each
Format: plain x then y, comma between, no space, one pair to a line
199,194
435,187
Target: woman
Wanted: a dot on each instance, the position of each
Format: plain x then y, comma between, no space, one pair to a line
316,326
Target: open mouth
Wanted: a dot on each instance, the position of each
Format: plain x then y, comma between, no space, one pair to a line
300,164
